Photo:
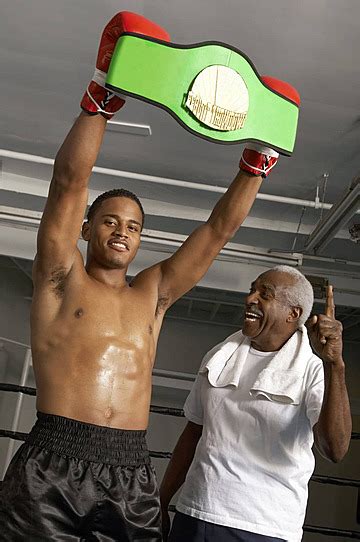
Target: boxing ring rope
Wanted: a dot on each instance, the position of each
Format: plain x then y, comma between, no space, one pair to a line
155,409
16,435
177,412
344,482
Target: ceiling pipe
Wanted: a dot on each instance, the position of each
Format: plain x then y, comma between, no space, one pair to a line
166,181
339,215
11,341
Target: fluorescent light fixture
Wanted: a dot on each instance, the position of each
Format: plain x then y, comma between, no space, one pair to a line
20,218
339,214
121,127
162,241
129,128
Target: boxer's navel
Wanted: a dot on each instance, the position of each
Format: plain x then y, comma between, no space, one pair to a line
108,413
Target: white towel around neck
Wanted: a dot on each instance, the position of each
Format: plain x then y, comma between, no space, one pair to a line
281,380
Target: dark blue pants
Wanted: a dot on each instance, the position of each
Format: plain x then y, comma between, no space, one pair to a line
188,529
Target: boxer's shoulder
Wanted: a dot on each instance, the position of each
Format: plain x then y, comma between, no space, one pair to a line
147,278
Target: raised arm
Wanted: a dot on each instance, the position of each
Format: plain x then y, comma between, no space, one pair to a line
191,261
332,432
65,207
64,211
188,265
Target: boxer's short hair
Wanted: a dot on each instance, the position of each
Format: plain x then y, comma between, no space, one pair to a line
114,193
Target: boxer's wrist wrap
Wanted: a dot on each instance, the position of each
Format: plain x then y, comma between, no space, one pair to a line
98,99
99,77
258,160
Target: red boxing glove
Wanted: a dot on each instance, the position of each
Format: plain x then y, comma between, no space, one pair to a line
98,99
257,159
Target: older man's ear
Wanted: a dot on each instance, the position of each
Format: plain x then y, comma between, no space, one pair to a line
295,314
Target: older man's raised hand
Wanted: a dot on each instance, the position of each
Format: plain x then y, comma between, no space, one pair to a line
325,332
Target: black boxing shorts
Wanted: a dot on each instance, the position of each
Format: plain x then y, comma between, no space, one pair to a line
77,481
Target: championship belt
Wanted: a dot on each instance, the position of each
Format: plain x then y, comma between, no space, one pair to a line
212,89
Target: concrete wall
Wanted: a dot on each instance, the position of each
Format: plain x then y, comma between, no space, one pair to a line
181,347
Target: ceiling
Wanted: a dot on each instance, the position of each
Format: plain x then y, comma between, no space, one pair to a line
47,57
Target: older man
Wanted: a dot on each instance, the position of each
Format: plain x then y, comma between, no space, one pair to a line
260,399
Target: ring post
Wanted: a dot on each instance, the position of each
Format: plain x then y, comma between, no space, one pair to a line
15,422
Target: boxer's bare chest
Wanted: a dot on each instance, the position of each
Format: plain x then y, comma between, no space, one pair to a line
93,351
92,321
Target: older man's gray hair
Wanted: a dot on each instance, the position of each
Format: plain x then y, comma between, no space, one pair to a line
301,294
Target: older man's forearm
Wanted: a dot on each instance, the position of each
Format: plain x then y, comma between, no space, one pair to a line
333,429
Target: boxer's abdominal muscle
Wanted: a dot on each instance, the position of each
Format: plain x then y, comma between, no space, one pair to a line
93,361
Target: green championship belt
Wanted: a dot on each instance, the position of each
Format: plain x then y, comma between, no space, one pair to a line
212,89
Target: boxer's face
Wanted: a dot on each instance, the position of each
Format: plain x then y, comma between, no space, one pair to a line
267,312
114,232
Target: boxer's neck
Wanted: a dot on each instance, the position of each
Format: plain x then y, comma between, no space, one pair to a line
114,278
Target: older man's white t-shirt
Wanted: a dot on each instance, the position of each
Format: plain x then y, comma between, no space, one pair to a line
253,462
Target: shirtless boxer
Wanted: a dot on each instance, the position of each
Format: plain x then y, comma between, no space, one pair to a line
84,472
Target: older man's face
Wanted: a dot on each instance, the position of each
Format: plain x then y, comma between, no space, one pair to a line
267,311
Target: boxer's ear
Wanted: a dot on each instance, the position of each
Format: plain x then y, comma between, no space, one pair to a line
85,231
